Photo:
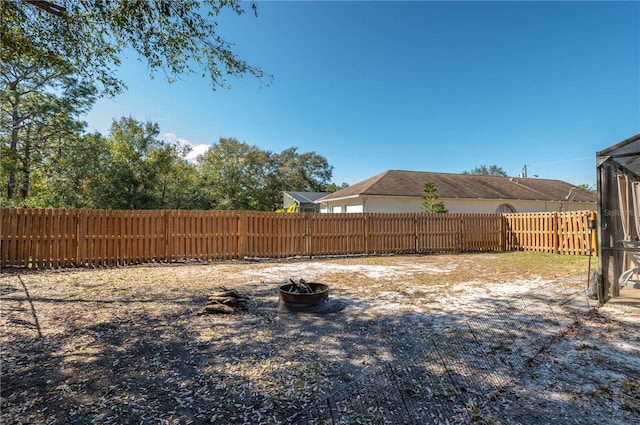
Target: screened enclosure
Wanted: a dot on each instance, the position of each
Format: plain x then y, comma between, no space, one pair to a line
618,226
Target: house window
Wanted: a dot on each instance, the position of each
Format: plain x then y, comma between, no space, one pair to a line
505,208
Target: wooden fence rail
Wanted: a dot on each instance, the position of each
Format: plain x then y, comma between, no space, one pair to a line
54,238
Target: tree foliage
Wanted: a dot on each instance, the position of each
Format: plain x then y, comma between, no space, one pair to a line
71,177
587,187
233,175
57,56
140,170
302,172
177,37
40,103
236,175
333,187
431,203
132,168
483,170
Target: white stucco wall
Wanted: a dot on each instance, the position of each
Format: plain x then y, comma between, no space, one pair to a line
392,205
406,205
349,206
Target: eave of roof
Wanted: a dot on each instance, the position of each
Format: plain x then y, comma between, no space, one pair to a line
625,154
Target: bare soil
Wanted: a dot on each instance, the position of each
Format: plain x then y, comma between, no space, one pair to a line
132,345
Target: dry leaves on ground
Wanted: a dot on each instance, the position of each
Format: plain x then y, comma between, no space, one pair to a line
131,345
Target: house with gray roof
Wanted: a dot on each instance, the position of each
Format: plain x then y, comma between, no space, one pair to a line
398,191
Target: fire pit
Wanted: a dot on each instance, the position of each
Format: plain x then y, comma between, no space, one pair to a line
304,294
307,297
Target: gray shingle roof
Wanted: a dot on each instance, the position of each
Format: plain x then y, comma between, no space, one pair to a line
463,186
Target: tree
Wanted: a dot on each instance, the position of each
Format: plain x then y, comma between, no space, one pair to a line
293,171
233,175
92,36
131,168
333,187
587,187
305,172
236,175
483,170
71,176
40,101
430,199
182,188
139,169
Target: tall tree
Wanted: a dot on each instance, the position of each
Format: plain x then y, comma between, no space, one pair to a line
306,172
430,199
182,188
234,174
138,167
290,170
72,176
483,170
40,101
91,35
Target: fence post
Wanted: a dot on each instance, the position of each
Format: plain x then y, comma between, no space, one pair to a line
365,228
243,237
462,233
307,234
415,233
503,232
81,225
555,232
168,239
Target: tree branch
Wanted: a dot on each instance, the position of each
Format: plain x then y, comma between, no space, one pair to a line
48,7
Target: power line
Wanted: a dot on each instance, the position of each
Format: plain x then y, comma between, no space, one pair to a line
563,160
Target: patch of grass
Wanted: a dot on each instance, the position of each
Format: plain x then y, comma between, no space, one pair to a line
450,270
630,408
605,389
631,387
529,265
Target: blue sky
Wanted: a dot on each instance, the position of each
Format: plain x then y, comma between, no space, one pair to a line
420,85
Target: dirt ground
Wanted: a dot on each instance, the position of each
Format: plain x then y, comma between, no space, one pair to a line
131,345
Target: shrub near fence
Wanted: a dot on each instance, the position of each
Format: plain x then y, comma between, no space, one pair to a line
49,238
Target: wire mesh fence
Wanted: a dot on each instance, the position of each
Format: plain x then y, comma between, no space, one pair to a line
467,361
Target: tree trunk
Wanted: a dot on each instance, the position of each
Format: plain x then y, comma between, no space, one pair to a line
26,169
13,151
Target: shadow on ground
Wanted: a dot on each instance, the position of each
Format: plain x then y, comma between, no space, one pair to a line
150,359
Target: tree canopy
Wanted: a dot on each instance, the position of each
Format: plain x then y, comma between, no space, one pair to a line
483,170
56,56
39,107
236,175
177,37
133,168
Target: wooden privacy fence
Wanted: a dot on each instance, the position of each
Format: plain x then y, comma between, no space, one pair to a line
554,232
50,238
